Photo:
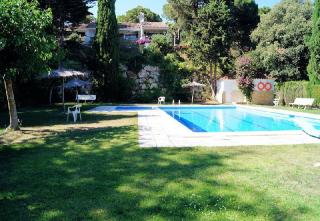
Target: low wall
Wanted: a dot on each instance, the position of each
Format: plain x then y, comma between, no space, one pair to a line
228,92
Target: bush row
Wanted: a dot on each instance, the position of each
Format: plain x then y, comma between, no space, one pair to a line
290,90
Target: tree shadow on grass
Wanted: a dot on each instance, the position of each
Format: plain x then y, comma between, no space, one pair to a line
53,116
103,175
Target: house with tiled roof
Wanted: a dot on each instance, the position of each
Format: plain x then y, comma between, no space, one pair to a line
127,31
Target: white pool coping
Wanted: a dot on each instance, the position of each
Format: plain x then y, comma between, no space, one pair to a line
158,129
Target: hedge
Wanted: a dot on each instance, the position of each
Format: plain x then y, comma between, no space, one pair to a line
290,90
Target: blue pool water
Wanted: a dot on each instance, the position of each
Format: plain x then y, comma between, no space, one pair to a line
234,119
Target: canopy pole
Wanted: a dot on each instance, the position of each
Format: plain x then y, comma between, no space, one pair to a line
192,95
63,94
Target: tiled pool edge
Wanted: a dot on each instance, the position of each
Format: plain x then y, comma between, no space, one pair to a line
158,129
154,132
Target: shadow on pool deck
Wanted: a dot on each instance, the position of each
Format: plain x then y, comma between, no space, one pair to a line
101,174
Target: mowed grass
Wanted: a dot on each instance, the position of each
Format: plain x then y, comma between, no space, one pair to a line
96,171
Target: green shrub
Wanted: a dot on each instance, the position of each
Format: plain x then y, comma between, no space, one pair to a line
290,90
148,96
162,43
75,37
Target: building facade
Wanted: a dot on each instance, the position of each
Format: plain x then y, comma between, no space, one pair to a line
127,31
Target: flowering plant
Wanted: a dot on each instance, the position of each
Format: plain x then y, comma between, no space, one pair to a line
246,86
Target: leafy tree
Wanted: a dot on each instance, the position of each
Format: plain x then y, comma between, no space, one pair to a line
211,37
107,49
246,18
281,48
72,11
132,15
162,43
88,19
314,46
25,47
264,10
184,12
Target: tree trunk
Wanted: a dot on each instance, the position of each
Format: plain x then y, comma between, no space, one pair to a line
211,82
215,79
50,95
14,124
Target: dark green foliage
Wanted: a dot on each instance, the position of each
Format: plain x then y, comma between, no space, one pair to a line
314,46
131,55
281,48
149,96
290,90
132,15
246,18
185,11
173,71
210,38
107,51
73,11
162,43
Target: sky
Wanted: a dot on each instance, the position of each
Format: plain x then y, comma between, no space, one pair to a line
156,5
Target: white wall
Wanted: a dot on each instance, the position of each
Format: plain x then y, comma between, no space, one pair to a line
228,91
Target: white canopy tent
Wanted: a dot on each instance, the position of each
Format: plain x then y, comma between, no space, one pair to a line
65,73
193,85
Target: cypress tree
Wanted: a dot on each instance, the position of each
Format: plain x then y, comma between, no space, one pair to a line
107,50
314,46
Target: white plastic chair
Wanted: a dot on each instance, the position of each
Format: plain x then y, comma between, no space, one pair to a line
75,111
161,100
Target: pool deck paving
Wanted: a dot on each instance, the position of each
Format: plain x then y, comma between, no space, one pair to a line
158,129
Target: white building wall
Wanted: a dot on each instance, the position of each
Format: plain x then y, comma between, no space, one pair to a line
228,91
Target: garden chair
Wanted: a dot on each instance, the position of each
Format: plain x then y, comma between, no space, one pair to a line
75,111
276,102
161,100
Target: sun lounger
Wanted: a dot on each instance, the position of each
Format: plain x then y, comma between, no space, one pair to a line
302,102
85,98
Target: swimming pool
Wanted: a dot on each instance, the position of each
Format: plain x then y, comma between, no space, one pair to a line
235,119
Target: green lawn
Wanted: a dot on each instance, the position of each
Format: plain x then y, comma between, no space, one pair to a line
96,171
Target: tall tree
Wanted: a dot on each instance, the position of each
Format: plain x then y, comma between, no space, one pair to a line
186,11
246,18
280,36
211,37
132,15
314,46
25,47
71,11
107,49
264,10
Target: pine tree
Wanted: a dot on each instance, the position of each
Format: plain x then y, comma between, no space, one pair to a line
314,46
107,50
211,37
